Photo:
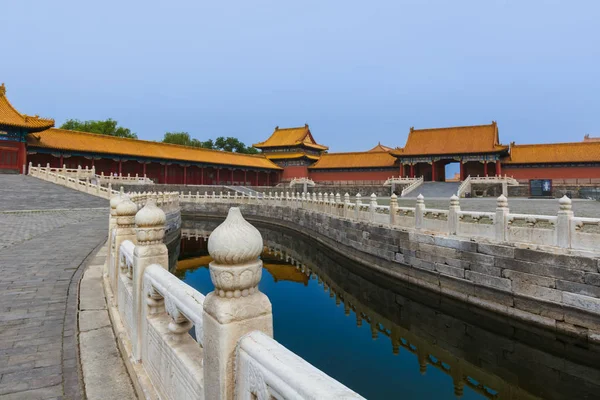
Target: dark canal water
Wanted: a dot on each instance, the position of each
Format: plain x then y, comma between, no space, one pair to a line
388,341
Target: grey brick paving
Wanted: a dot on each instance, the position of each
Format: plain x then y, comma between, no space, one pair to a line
22,192
40,253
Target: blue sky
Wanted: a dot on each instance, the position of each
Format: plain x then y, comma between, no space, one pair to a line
356,72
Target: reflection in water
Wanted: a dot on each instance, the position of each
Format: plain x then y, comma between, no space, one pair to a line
440,348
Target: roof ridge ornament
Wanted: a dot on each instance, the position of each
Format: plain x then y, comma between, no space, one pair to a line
2,89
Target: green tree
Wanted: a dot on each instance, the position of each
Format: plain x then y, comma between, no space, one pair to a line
233,144
184,139
106,127
221,143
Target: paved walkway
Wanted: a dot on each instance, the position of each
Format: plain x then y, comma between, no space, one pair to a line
40,257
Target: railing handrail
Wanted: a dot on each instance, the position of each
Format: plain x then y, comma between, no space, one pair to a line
179,297
412,186
283,371
462,188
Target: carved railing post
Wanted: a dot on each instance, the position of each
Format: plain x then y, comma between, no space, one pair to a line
150,249
235,307
372,207
563,223
419,211
346,205
124,230
393,208
500,223
358,204
453,215
112,223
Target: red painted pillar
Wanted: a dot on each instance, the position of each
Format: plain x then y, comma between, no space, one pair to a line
245,177
185,174
433,171
498,168
92,162
61,162
401,170
462,171
218,179
144,168
232,176
268,175
485,171
202,175
166,177
120,167
412,170
256,176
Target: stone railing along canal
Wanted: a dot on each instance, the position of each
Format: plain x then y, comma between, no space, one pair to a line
536,268
231,353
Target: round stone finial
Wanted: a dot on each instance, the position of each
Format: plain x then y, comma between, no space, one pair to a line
235,241
502,201
150,215
115,201
454,201
394,196
420,197
126,207
565,203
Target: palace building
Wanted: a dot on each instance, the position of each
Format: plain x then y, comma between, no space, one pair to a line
293,153
294,149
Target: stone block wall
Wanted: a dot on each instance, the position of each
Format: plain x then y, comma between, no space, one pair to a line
556,291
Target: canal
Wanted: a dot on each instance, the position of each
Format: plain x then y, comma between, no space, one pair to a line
387,340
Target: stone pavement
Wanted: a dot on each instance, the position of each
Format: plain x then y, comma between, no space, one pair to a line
41,258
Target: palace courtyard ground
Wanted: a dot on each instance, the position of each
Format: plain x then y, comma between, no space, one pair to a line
48,235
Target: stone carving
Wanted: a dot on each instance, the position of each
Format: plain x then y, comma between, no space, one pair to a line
150,222
235,241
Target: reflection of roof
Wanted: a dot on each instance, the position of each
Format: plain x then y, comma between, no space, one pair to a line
62,139
285,272
453,140
286,137
9,116
286,156
380,147
364,159
192,263
554,153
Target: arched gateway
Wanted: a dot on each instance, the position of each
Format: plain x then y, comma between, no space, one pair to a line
428,151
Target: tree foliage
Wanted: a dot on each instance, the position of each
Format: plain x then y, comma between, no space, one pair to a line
107,127
221,143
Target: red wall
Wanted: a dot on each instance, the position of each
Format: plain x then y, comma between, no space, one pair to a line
551,172
295,171
352,176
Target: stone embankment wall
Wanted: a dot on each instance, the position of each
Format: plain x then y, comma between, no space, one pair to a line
556,291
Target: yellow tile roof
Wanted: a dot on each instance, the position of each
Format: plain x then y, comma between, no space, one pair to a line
62,139
380,147
587,151
286,137
363,159
285,156
9,116
453,140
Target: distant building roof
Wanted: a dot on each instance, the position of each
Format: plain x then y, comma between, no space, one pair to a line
9,116
588,138
380,147
364,159
287,137
62,139
587,151
453,140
